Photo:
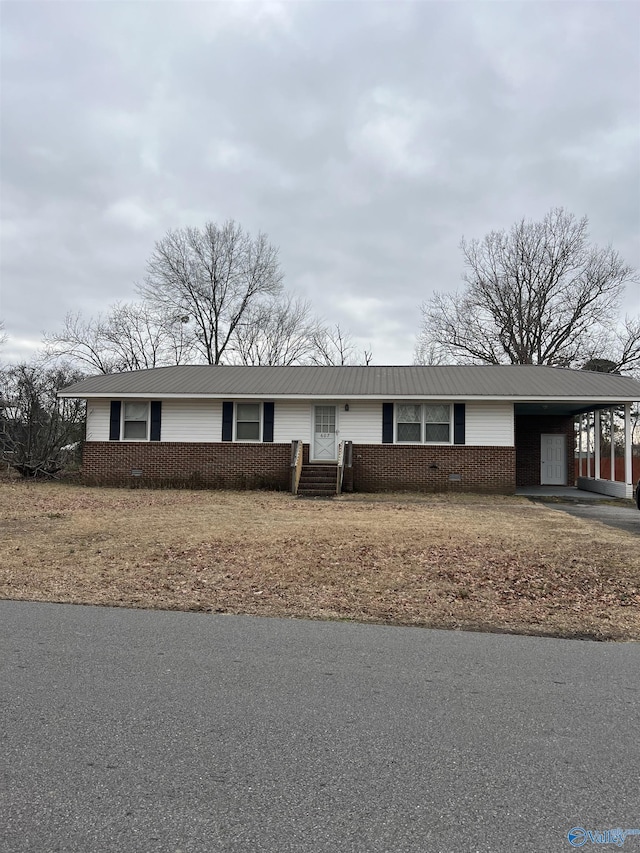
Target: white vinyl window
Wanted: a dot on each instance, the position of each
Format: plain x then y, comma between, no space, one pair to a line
418,423
135,422
409,422
248,421
437,423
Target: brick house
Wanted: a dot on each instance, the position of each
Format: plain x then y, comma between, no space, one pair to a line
436,428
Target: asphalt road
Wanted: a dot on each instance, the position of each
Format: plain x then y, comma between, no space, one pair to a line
621,516
145,731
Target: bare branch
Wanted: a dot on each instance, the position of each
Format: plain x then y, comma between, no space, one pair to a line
36,428
84,342
279,332
333,346
539,294
132,336
625,345
214,276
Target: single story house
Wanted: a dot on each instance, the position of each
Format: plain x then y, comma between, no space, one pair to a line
435,428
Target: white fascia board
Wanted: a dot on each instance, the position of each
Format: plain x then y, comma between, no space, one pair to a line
460,398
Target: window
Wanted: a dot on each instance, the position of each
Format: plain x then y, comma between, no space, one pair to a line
325,420
423,423
136,419
436,423
409,418
248,422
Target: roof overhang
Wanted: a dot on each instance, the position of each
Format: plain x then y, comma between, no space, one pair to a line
523,405
565,408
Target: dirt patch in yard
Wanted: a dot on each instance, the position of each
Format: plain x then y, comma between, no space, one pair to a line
472,562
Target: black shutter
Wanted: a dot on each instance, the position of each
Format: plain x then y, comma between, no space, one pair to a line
387,423
156,420
267,421
227,421
458,423
114,420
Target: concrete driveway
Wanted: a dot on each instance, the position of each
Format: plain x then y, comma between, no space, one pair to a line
144,731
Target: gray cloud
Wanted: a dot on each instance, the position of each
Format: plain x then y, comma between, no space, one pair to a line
364,138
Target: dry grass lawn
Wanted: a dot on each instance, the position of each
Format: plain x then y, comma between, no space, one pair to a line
482,563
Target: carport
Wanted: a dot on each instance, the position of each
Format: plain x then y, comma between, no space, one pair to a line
565,443
593,464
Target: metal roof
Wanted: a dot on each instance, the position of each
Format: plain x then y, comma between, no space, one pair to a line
514,382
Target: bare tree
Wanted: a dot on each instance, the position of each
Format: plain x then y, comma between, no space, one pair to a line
427,351
282,331
143,337
132,336
538,294
82,341
333,346
38,431
214,276
624,346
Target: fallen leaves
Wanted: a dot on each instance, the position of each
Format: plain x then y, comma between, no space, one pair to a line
441,561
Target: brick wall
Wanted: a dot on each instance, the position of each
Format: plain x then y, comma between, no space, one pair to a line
528,430
376,468
391,467
206,465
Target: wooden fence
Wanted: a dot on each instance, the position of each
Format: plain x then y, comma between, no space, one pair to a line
605,468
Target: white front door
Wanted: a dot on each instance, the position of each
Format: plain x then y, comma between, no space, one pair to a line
553,470
324,434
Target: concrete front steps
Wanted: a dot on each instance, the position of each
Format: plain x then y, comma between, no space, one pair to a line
318,481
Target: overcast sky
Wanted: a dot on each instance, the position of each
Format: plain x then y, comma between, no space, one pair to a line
364,138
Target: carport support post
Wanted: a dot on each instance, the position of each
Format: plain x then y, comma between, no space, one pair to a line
628,446
596,441
579,445
612,474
